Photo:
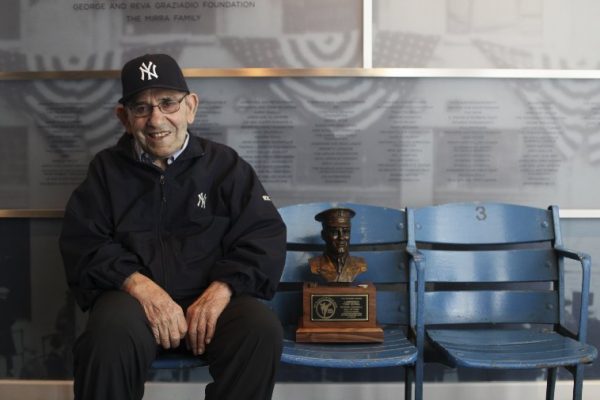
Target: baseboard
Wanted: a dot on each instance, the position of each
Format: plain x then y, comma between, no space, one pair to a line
62,390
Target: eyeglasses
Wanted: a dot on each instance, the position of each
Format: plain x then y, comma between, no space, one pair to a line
166,106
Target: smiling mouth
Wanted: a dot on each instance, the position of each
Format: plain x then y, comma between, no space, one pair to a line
157,135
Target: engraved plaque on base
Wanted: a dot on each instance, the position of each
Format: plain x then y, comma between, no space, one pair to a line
339,313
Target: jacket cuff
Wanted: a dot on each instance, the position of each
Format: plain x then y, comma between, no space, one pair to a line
125,271
234,283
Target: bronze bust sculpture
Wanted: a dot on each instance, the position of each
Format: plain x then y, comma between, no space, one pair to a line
336,264
338,311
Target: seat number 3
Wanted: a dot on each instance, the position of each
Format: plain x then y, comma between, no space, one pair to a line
480,213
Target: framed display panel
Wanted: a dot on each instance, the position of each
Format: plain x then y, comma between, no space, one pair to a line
58,35
393,141
518,34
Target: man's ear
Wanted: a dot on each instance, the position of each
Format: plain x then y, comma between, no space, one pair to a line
121,113
192,100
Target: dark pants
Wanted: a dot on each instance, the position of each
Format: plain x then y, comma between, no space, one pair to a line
114,353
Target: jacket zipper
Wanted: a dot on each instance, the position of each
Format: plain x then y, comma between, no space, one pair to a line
163,203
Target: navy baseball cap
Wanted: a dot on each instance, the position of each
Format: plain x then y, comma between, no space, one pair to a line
151,71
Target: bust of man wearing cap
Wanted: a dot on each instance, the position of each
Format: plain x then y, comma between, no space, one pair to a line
336,264
169,242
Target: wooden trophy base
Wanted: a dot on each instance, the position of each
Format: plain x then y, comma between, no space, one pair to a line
339,335
339,314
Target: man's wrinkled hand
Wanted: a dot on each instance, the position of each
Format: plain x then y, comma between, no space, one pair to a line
166,317
202,315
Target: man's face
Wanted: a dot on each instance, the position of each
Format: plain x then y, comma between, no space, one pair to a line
159,134
337,239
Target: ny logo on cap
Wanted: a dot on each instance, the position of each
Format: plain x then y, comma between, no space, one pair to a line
146,73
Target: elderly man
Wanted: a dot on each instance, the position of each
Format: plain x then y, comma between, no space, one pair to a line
169,242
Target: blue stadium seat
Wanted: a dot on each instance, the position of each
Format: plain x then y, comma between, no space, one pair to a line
493,291
379,236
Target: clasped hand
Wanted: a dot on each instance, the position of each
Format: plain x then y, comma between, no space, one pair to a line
167,321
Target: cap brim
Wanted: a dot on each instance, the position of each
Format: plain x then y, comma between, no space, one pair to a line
124,99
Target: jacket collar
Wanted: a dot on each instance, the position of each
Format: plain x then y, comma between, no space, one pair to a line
195,147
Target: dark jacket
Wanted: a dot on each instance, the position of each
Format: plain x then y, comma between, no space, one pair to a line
205,218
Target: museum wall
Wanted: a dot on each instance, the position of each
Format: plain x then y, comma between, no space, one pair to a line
426,102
